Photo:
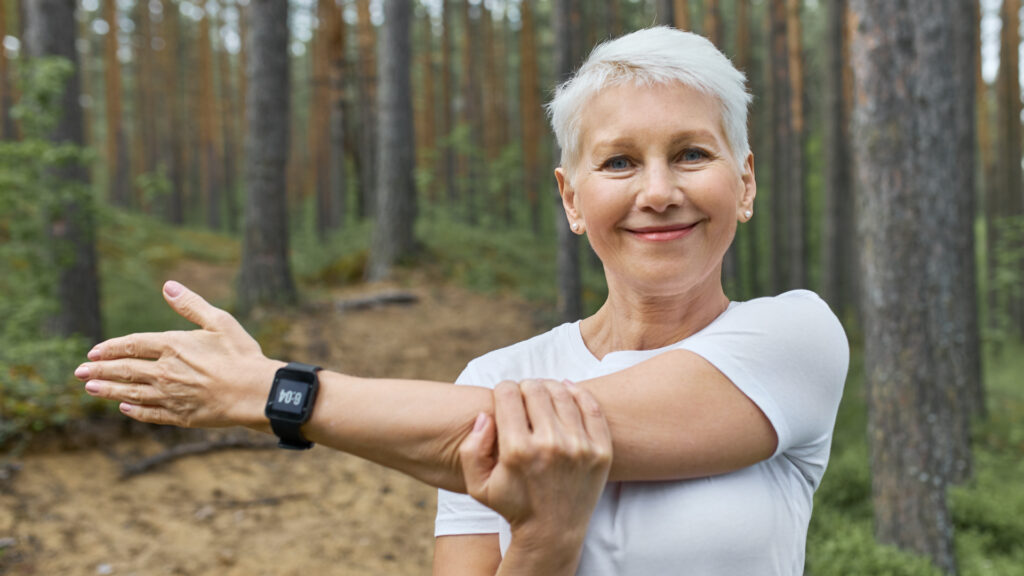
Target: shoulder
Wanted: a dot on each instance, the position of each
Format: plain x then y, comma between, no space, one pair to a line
799,318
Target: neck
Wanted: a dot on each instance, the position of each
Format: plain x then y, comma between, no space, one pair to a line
630,320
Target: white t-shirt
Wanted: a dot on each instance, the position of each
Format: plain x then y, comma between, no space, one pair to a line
789,355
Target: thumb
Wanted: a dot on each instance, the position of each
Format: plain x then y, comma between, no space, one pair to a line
192,306
477,456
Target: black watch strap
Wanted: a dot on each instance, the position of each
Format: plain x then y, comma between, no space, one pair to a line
289,433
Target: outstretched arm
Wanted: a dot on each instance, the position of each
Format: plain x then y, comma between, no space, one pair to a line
674,416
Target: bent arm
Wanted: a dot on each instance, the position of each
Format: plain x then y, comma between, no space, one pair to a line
671,417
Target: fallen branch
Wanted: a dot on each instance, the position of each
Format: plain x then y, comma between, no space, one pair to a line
191,449
374,300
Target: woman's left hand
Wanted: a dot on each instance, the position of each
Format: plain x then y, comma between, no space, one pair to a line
211,377
542,463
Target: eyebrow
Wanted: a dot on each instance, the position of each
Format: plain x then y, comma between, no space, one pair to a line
684,136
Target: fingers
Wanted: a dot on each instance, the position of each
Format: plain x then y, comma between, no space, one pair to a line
540,408
130,393
477,456
594,422
510,418
120,370
151,345
194,308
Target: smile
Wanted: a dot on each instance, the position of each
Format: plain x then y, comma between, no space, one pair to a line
662,233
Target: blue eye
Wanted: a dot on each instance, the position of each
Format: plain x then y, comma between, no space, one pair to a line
693,155
617,163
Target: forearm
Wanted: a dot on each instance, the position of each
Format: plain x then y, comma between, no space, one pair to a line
413,426
554,555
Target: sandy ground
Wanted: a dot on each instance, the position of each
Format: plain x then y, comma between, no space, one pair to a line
254,512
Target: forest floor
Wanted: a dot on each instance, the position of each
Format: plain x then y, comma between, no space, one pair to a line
67,510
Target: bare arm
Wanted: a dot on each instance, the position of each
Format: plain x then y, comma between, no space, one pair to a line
674,416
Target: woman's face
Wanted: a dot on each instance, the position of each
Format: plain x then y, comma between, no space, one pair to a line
656,186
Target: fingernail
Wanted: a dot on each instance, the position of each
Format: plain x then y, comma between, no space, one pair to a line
94,354
172,288
82,371
481,420
126,408
92,387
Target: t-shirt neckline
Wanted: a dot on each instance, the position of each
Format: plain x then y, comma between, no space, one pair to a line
628,356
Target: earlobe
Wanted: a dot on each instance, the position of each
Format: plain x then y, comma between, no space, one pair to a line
569,201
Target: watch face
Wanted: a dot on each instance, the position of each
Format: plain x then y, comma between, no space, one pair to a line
290,396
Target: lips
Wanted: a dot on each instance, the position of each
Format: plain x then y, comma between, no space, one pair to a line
662,233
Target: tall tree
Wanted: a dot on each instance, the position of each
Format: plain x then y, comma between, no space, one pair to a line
681,12
228,139
7,129
338,71
393,236
712,28
211,185
265,276
529,111
173,69
319,120
472,112
839,270
118,175
570,285
1005,204
446,159
51,31
908,142
366,93
664,11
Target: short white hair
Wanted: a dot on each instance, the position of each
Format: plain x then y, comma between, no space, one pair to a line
648,57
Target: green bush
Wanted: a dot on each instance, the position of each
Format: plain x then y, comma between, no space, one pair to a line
839,545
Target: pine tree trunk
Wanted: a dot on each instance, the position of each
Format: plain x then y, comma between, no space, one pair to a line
529,110
472,116
173,61
265,276
783,144
570,290
209,155
840,279
908,142
664,11
227,135
681,13
117,154
393,236
447,157
339,116
7,129
367,97
712,28
51,30
319,122
796,251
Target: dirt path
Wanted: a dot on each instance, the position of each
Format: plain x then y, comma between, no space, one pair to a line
258,512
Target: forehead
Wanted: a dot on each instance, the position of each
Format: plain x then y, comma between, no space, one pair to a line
627,111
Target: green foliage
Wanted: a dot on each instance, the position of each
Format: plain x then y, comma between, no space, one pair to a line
839,546
37,388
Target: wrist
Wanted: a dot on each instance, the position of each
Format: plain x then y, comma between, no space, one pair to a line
557,550
249,410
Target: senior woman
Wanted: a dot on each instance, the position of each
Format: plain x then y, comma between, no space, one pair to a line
719,413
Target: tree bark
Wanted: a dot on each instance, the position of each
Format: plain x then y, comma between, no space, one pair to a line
7,128
209,149
265,276
840,279
339,116
51,30
664,12
366,90
117,156
393,236
681,13
319,121
529,110
782,144
570,285
908,142
447,157
228,134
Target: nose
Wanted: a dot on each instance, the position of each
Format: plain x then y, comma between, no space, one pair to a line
659,189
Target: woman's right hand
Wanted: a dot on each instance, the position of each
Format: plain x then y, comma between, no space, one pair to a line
542,463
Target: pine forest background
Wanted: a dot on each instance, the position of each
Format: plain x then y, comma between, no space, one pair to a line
323,142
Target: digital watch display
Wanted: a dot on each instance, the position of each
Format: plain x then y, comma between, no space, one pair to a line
290,403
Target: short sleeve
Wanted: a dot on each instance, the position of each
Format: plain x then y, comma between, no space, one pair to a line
789,355
459,514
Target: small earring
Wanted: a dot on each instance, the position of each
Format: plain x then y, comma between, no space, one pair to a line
748,214
575,226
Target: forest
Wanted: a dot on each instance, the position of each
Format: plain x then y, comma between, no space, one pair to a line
303,162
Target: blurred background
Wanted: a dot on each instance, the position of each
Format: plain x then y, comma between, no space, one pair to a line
301,163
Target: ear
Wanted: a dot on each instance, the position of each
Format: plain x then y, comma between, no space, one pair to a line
746,199
570,201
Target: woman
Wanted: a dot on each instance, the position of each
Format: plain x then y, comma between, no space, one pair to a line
720,413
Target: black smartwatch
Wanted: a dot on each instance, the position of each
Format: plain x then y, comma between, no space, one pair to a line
291,404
